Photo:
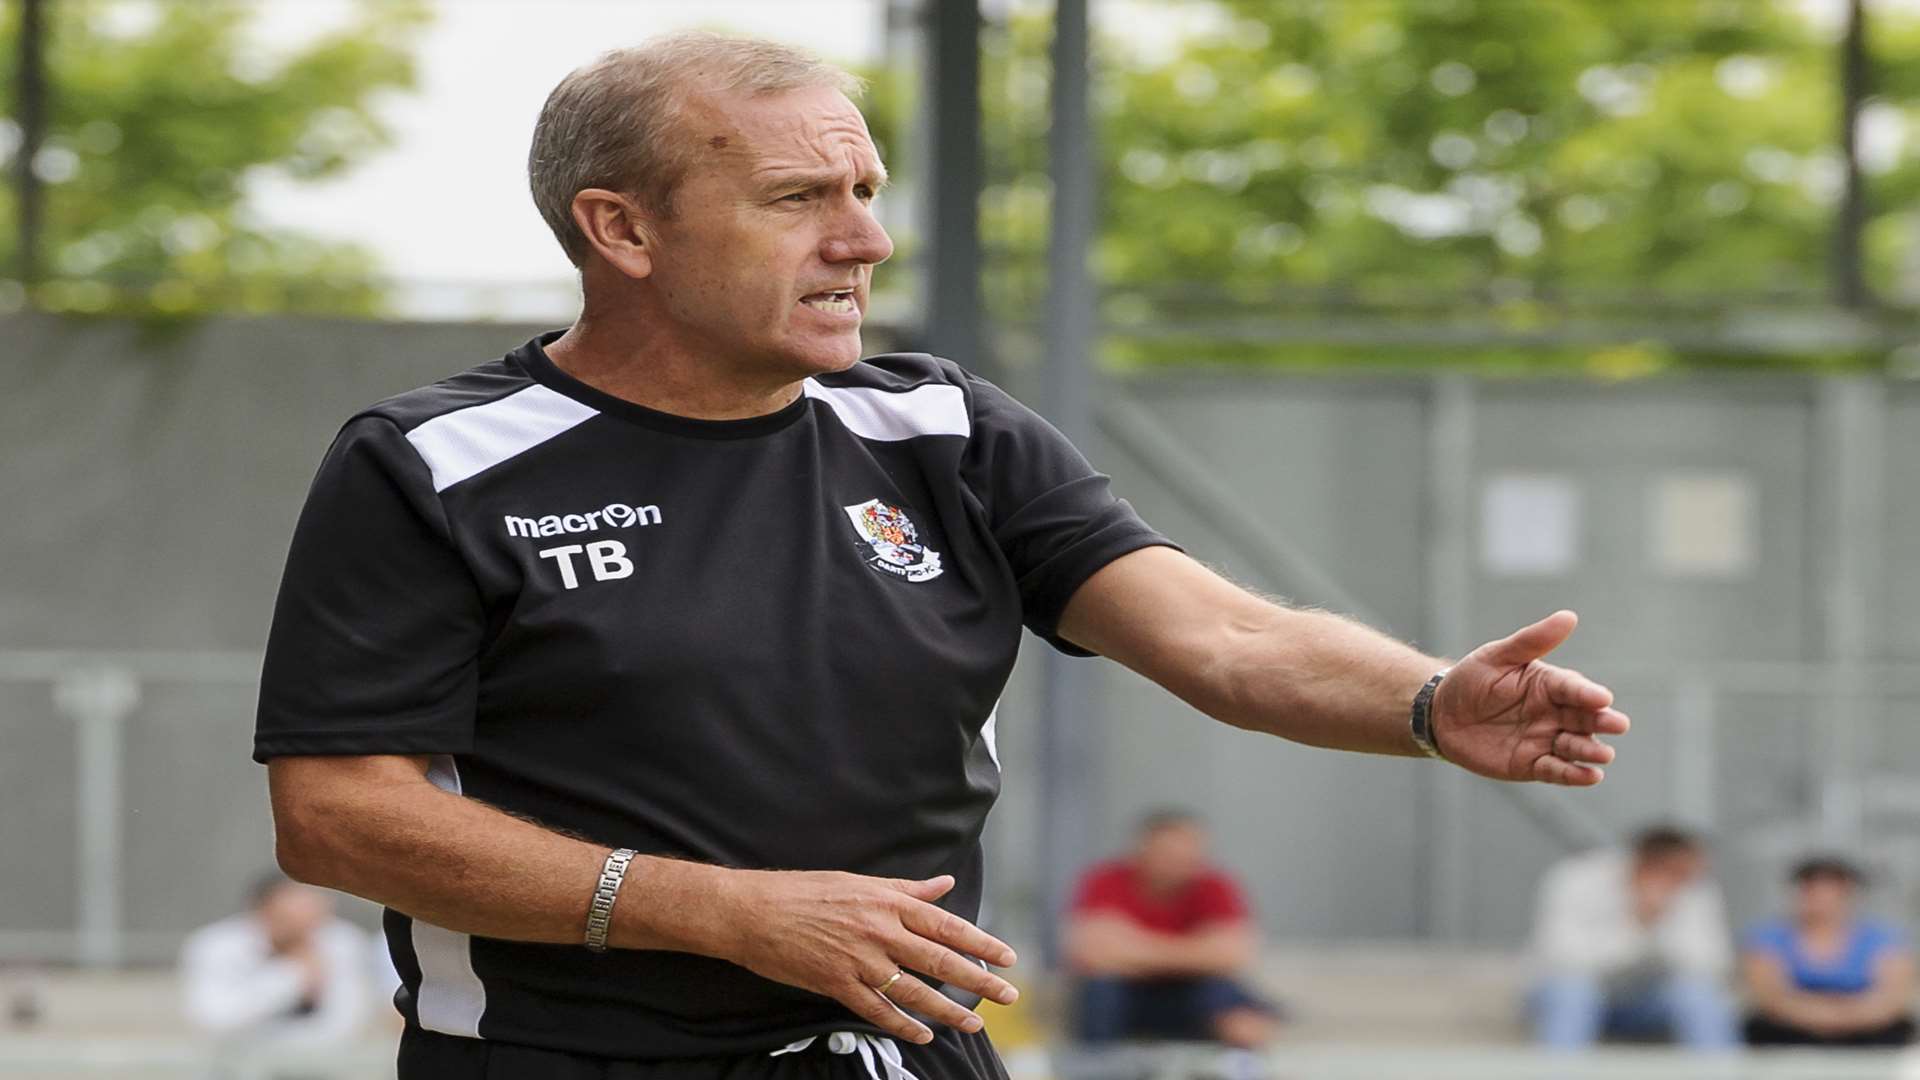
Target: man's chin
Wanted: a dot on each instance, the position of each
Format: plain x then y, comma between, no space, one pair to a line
827,357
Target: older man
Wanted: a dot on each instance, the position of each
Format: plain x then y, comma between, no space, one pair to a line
647,675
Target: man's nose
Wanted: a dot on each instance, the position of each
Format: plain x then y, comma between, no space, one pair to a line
860,239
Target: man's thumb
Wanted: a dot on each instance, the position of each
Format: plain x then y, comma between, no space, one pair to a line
1533,642
928,889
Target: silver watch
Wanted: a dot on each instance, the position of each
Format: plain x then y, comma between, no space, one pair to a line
1422,721
600,911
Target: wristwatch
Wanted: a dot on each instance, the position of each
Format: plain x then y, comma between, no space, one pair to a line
1422,721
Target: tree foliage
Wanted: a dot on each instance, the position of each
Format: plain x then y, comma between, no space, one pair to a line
1435,154
156,132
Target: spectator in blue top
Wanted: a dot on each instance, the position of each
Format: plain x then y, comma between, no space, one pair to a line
1827,976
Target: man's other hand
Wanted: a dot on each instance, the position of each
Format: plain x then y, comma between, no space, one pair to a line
845,935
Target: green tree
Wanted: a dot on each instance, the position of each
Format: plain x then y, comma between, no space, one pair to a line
1428,155
155,133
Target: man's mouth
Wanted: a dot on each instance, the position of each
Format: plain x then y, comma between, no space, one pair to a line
837,302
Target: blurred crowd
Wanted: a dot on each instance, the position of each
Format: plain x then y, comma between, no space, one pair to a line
1630,944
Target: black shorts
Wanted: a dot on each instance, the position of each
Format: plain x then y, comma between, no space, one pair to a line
953,1055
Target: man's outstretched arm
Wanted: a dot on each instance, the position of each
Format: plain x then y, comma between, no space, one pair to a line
376,827
1324,680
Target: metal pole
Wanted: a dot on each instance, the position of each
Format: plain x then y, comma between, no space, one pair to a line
951,283
1849,274
1853,440
98,701
31,107
1444,852
1068,766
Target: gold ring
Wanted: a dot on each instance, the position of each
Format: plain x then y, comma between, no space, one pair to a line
888,985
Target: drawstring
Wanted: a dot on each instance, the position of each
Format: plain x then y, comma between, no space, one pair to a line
868,1047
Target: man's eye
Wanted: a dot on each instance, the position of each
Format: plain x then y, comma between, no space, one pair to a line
798,196
863,193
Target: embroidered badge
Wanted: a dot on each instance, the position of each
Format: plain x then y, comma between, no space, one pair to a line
894,542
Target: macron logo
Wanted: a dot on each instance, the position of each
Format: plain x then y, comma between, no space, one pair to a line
611,516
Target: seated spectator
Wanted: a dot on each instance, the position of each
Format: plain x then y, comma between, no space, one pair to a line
1634,945
1158,939
287,970
1827,976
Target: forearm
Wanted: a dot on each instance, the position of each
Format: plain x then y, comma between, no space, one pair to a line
1315,678
1113,946
1210,952
459,864
227,997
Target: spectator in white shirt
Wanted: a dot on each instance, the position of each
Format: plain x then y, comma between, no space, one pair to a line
286,971
1634,944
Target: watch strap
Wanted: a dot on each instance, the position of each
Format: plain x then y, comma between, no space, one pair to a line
1421,722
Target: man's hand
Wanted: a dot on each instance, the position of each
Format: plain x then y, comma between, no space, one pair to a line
1502,712
842,935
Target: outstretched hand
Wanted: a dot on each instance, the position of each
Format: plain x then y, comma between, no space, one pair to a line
1503,712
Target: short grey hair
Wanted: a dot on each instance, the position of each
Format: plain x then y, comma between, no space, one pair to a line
612,123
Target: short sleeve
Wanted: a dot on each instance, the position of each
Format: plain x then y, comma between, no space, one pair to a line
1053,516
1768,938
378,626
1100,889
1882,938
1218,899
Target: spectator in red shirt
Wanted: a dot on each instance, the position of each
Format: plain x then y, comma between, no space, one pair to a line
1158,939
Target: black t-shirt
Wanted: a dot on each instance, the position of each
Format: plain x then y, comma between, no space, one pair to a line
774,643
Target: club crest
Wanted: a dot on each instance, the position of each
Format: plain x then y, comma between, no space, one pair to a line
894,542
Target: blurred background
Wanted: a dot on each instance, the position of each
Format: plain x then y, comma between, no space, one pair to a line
1440,313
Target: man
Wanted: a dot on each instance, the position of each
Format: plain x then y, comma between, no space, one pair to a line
690,582
1159,938
1634,943
286,971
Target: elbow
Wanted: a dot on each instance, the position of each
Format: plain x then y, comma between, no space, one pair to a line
298,851
1081,953
304,838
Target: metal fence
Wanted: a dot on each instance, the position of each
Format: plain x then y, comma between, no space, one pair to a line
167,821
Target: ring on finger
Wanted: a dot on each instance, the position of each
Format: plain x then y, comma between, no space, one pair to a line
888,985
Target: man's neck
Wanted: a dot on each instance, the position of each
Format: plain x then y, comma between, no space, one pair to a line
623,360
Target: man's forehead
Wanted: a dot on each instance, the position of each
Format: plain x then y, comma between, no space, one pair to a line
796,131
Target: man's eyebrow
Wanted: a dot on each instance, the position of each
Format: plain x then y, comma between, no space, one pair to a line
810,180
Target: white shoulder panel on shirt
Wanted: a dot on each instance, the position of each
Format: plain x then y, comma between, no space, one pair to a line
469,441
893,415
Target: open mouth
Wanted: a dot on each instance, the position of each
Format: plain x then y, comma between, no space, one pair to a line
834,303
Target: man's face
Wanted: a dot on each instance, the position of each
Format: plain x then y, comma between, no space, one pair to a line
1172,855
293,913
769,252
1658,879
1825,898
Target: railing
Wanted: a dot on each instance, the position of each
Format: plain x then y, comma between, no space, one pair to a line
1841,781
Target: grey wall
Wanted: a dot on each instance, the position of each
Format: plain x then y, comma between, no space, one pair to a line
151,487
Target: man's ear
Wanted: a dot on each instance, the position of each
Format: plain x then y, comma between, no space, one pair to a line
617,230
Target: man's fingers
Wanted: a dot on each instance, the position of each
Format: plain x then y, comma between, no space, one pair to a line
1552,770
938,924
1570,688
910,993
869,1005
1593,721
950,967
1568,746
928,889
1533,642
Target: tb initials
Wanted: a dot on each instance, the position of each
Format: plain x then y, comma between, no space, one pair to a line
607,559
